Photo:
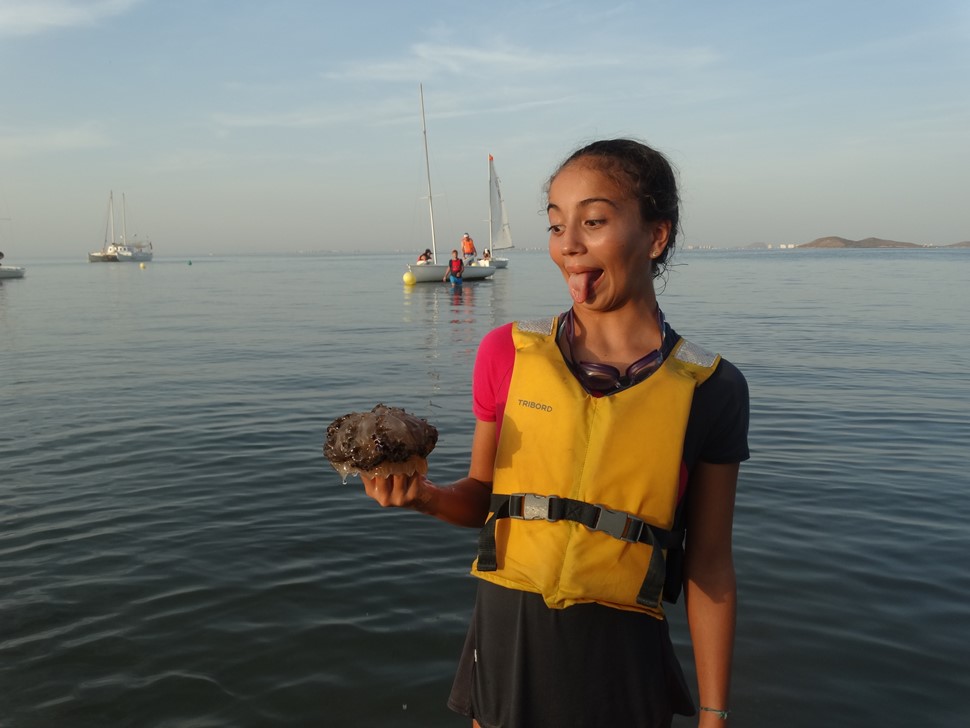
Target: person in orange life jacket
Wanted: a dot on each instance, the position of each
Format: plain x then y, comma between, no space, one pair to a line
531,658
468,251
455,269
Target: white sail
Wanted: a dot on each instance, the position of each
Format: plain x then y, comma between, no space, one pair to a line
499,233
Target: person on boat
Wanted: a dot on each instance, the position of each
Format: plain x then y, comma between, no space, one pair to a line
468,251
603,472
455,269
426,257
486,257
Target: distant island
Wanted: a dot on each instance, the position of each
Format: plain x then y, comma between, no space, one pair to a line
837,242
833,242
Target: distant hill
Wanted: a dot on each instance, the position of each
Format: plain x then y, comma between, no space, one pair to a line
833,241
837,242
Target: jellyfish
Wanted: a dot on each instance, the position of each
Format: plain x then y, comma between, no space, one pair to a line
385,441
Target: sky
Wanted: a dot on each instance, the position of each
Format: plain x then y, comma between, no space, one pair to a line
237,126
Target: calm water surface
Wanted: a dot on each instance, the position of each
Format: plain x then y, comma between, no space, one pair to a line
175,551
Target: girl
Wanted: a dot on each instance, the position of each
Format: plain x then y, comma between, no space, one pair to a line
602,438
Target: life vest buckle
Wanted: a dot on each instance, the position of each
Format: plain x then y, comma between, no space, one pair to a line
618,524
532,506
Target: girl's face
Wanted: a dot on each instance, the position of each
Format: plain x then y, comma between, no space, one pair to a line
598,239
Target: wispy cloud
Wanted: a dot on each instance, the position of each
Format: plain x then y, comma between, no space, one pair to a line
425,59
22,144
29,17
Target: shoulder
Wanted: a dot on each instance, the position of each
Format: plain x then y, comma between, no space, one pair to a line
497,341
726,390
727,379
496,353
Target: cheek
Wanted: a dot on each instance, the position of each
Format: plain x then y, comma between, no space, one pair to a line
555,255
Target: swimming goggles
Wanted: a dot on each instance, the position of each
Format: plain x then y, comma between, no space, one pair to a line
604,378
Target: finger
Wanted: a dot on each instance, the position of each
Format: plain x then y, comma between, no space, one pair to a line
398,491
377,488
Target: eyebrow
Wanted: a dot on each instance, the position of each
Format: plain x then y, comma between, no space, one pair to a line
584,203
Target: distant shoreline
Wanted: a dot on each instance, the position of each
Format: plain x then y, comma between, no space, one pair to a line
829,243
835,242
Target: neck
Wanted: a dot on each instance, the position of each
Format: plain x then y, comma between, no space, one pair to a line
619,337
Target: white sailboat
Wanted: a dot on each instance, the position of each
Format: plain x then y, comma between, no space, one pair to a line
499,232
125,250
10,271
434,272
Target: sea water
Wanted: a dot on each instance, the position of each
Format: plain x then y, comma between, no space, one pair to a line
175,550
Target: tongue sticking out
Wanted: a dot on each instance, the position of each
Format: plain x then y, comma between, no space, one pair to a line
581,284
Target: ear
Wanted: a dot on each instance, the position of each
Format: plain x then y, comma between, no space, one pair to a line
659,236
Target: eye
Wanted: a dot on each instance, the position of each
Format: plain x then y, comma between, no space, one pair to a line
555,229
594,223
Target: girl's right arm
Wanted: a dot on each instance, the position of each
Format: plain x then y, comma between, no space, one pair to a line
463,503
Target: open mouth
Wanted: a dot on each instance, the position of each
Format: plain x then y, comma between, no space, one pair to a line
581,283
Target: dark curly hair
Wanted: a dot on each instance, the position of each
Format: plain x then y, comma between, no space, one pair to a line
647,175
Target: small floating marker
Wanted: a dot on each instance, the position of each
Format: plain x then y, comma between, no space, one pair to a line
190,262
142,266
409,278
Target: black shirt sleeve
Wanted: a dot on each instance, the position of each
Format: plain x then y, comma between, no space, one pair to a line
717,431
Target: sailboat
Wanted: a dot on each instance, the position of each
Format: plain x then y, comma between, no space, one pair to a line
499,232
10,271
434,272
125,251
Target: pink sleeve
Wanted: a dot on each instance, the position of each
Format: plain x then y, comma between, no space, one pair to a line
493,372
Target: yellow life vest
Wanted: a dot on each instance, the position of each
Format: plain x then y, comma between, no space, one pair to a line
585,489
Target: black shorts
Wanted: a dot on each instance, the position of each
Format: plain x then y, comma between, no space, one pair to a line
527,666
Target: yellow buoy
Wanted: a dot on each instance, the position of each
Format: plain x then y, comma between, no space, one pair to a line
142,266
410,279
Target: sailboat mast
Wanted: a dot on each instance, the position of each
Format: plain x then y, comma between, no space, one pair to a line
124,220
491,245
427,167
111,215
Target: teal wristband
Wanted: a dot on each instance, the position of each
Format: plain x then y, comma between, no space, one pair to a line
722,714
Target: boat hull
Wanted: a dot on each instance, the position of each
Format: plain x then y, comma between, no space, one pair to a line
102,258
434,273
11,271
494,263
134,256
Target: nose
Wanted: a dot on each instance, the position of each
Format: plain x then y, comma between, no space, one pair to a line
570,243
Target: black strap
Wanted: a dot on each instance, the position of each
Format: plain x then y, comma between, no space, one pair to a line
487,558
618,524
